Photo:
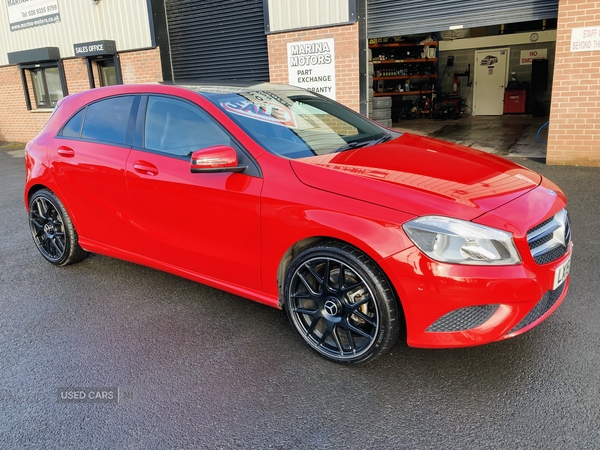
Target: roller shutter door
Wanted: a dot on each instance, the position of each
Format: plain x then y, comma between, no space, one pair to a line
216,39
397,18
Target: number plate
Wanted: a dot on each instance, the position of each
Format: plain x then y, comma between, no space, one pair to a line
561,272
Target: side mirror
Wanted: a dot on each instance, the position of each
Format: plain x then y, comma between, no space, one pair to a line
220,158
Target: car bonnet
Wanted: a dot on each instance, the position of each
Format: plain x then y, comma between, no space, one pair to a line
419,175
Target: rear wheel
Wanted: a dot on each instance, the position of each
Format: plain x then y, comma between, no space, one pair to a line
341,304
52,230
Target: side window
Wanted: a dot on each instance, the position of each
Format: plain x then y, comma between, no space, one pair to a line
180,128
107,120
73,126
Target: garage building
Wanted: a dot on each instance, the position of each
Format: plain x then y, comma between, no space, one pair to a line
451,57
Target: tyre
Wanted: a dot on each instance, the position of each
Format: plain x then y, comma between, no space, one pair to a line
382,102
52,230
382,113
341,304
388,123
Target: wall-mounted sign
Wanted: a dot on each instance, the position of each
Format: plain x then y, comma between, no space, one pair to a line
311,65
96,48
31,13
585,39
529,55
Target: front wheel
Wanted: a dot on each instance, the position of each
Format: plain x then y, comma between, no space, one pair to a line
341,304
52,229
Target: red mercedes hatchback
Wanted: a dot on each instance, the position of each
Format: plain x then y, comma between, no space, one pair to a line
285,197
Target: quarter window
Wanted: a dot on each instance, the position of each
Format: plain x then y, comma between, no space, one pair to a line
47,88
180,128
108,120
73,126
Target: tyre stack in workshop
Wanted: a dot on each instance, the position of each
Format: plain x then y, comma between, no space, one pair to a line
380,108
370,85
382,111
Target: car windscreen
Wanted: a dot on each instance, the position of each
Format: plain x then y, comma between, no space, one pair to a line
296,124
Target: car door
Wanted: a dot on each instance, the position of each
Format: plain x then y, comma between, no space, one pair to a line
206,223
89,155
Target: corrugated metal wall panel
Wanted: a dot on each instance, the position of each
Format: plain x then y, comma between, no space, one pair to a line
294,14
127,23
393,17
218,39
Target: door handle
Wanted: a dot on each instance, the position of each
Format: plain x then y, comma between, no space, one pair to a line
65,151
145,168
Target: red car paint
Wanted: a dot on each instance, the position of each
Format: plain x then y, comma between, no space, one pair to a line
234,231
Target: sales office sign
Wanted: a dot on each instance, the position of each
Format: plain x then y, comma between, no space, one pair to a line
96,48
311,65
31,13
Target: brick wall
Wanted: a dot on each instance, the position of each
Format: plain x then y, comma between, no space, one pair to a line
76,74
17,124
575,108
141,67
346,58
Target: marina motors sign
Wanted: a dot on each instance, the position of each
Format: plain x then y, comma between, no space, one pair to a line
311,65
31,13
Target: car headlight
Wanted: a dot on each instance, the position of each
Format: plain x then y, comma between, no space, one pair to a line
459,242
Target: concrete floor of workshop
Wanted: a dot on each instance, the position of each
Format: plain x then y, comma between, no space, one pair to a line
506,135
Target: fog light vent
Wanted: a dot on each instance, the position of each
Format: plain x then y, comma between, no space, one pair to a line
463,319
541,308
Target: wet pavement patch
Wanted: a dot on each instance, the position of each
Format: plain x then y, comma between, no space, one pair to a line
499,138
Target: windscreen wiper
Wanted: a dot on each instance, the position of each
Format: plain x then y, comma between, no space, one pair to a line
382,139
358,144
351,145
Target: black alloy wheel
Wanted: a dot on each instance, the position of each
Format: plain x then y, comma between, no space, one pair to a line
341,304
52,230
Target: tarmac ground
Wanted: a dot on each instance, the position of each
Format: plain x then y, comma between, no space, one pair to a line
187,366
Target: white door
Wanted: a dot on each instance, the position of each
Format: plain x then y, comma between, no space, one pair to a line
491,75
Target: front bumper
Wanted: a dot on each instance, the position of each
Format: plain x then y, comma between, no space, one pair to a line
450,305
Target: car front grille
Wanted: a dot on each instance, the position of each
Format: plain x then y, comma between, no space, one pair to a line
550,239
463,319
541,308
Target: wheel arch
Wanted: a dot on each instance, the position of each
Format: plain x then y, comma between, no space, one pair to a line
301,245
52,228
288,257
31,190
326,313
